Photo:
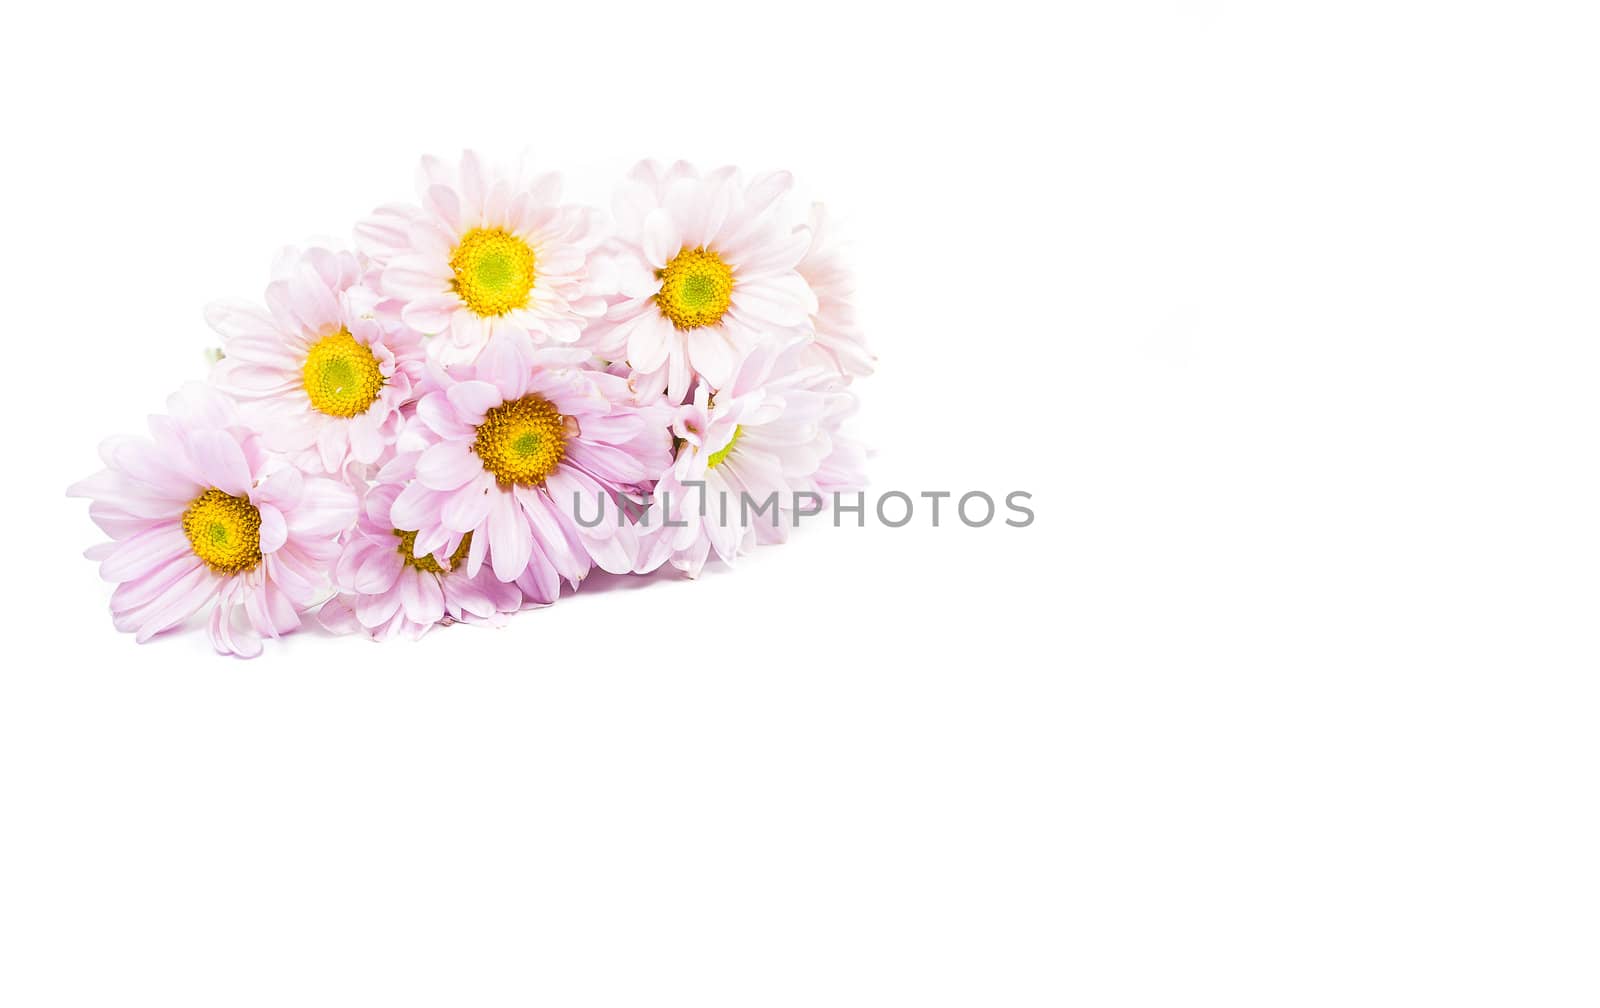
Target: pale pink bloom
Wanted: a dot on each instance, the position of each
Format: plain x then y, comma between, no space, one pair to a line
513,449
839,339
743,455
387,591
705,268
201,514
316,372
487,251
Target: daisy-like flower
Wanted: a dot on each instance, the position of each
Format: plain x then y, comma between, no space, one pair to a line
705,271
201,514
514,449
387,590
744,453
316,372
838,336
487,252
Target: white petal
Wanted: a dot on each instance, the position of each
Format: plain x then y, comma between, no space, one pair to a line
660,239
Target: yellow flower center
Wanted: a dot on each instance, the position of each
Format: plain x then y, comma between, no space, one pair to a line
721,454
224,531
696,288
494,271
408,544
522,441
341,376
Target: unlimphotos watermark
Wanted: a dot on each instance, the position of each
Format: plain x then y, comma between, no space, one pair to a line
892,508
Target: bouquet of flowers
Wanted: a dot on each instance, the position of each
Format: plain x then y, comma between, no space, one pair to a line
491,394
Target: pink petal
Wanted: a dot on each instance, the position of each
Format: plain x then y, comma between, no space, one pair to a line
220,461
467,508
431,313
338,617
378,572
417,507
438,415
274,530
375,610
508,359
282,489
366,440
422,598
510,542
326,507
472,399
650,338
447,465
443,201
177,603
660,239
711,355
144,552
331,445
782,300
141,591
199,405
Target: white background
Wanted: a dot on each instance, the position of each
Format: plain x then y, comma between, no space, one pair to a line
1286,315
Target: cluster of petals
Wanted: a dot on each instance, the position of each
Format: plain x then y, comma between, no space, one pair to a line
316,293
771,438
613,446
485,397
411,248
385,593
150,485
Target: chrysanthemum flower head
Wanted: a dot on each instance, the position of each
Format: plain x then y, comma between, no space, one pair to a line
201,514
488,251
705,272
744,452
388,590
512,448
316,371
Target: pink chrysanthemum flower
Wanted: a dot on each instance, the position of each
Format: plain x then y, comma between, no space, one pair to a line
487,252
316,372
838,336
200,514
514,448
743,455
705,271
389,591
